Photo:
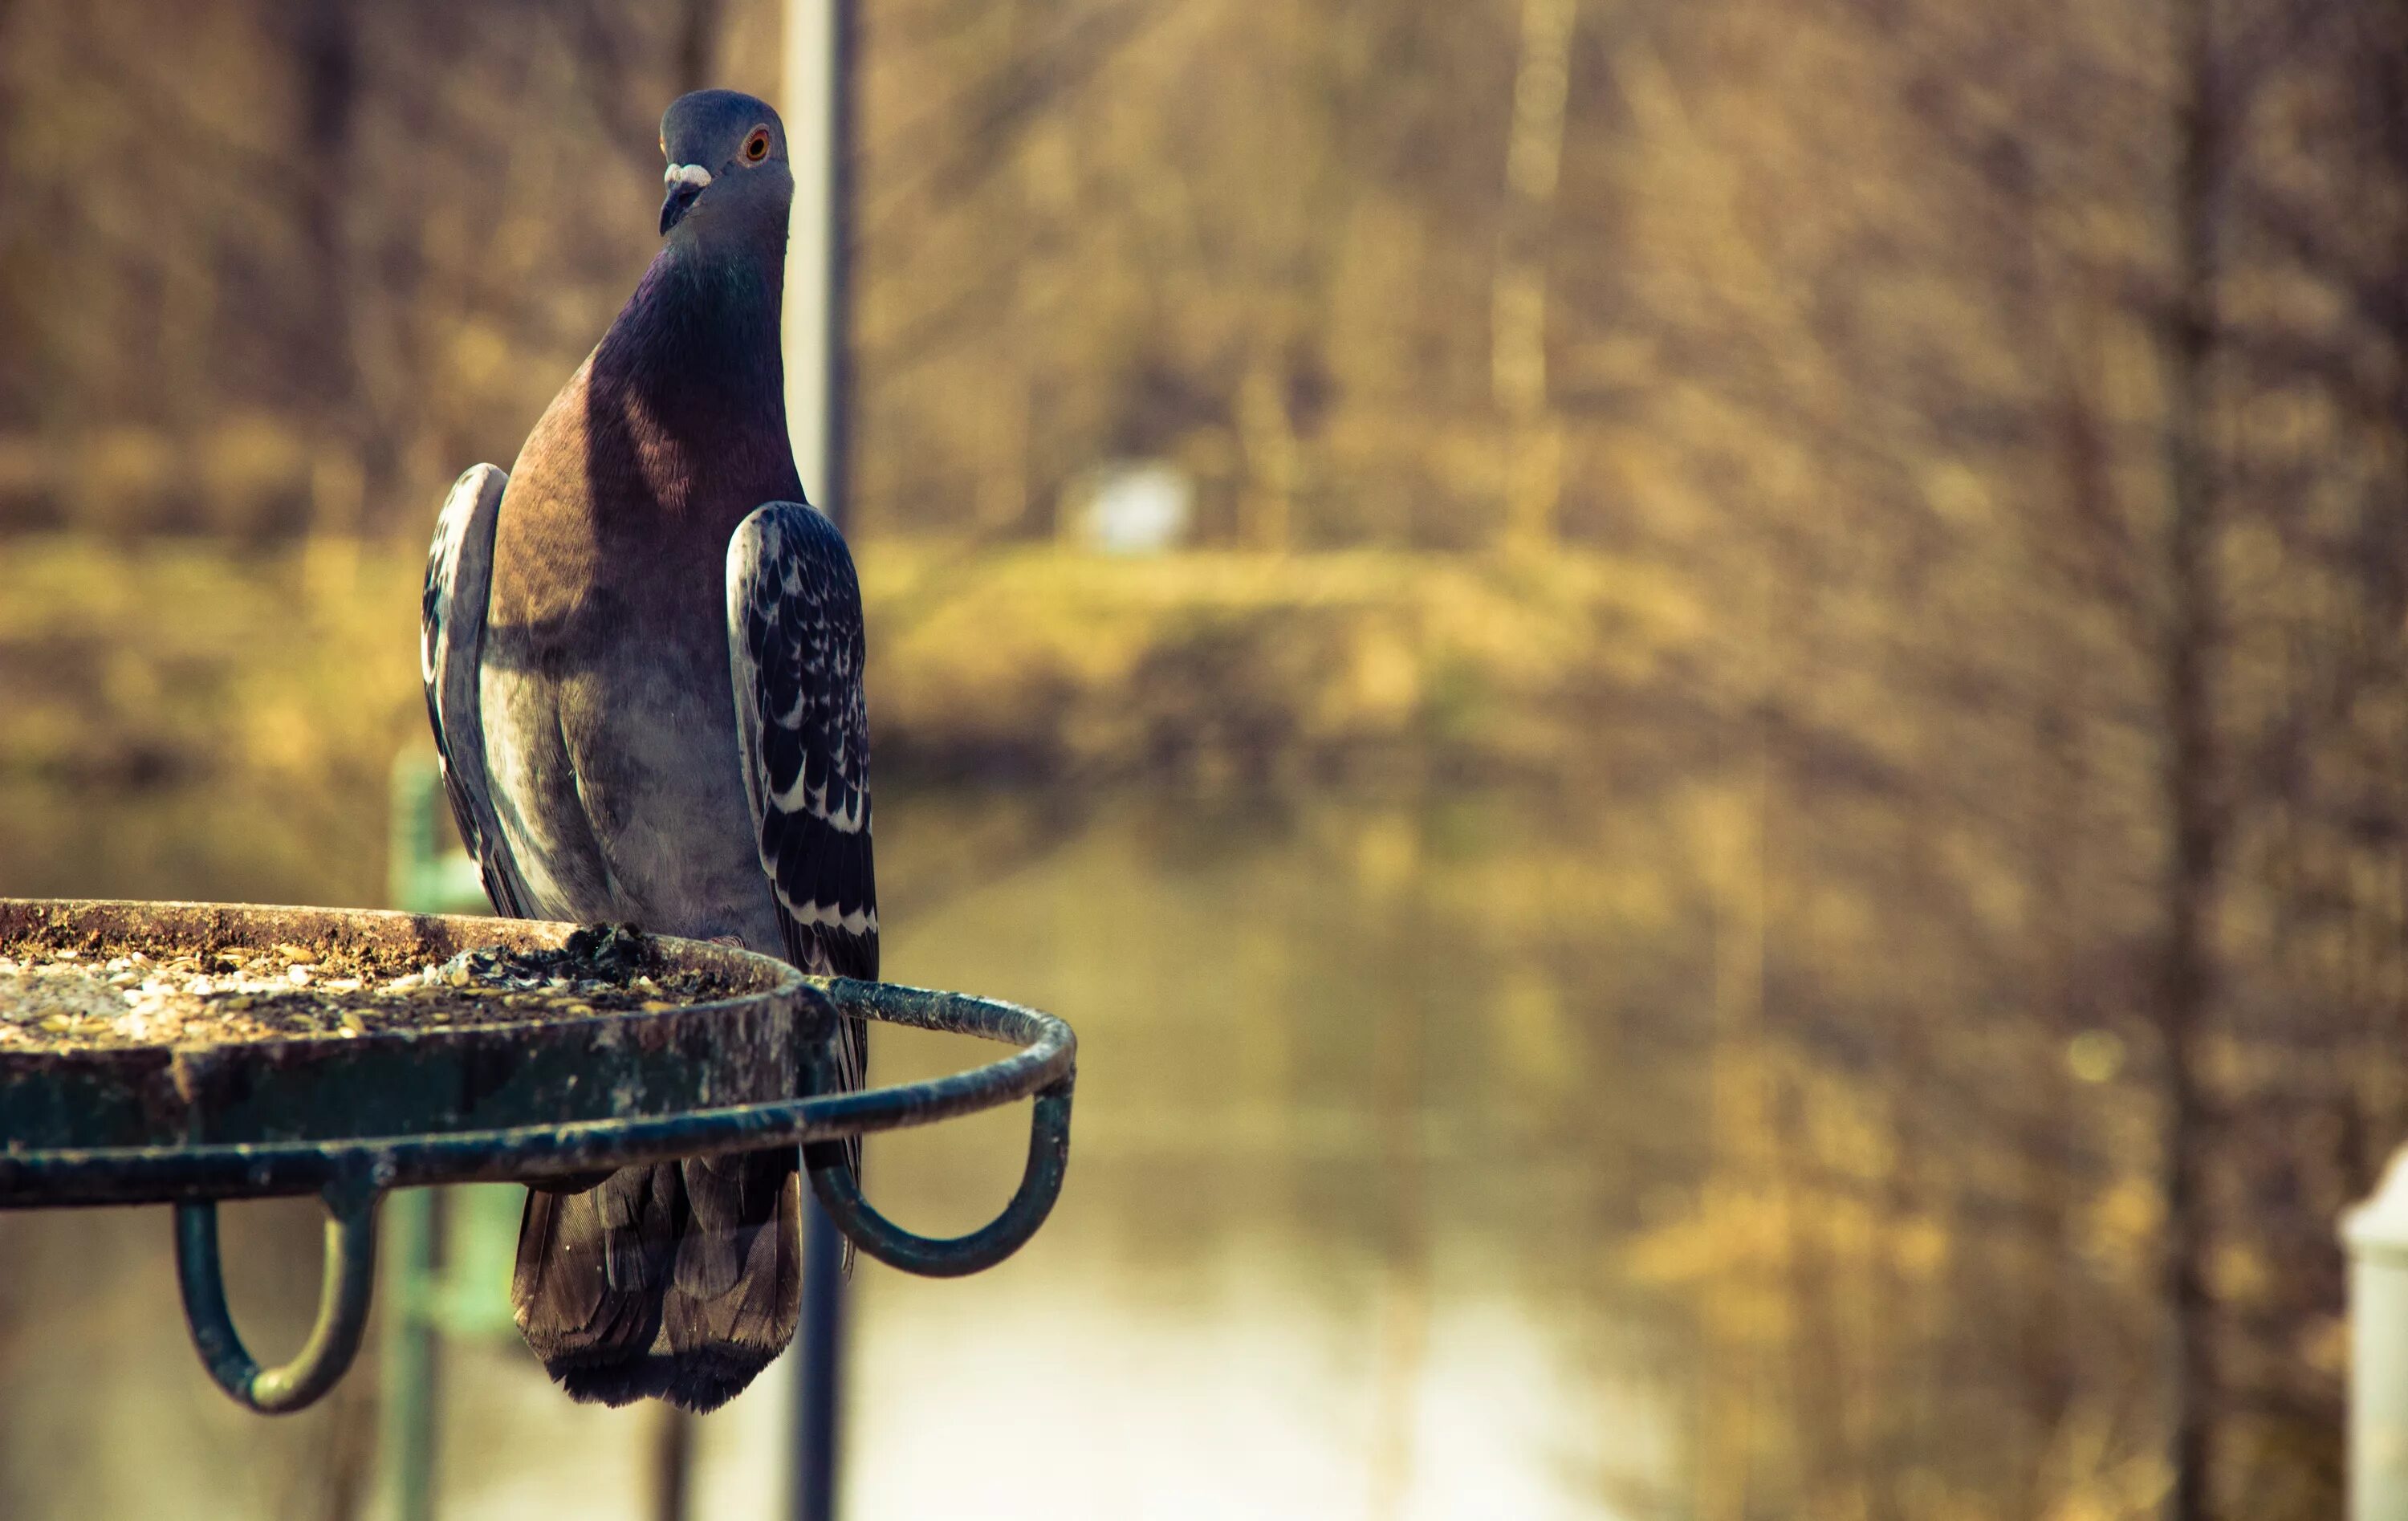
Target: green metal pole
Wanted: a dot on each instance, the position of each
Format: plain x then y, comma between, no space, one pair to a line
423,880
410,827
406,1364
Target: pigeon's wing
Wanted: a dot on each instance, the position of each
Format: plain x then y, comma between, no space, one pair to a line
451,638
795,652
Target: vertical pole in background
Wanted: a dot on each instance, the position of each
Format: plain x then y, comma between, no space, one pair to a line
406,1358
819,144
2376,1234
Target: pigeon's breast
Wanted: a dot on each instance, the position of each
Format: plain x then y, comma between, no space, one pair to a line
610,724
617,777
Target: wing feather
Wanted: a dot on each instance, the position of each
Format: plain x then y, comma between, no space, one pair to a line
450,638
795,648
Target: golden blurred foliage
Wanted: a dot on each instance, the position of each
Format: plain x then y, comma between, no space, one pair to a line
1944,466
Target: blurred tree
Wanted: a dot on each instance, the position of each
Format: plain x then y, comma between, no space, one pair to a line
1967,446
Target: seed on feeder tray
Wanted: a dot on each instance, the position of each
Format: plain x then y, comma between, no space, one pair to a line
104,995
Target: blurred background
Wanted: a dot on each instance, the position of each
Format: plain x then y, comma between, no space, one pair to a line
1700,703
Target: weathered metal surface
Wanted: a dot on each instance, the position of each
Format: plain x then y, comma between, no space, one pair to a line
124,1175
392,1147
342,1305
736,1050
1040,1185
531,1102
1048,1135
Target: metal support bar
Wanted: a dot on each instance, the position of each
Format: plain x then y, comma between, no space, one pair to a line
524,1153
1046,1065
351,1173
819,1370
342,1303
1041,1184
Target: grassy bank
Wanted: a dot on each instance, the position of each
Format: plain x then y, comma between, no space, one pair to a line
131,666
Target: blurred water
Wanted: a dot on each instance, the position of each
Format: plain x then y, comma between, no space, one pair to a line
1363,1124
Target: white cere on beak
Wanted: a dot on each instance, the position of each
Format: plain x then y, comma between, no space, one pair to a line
686,174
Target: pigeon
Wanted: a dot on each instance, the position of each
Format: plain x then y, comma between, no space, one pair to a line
643,651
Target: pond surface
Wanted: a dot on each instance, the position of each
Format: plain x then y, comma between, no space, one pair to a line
1368,1121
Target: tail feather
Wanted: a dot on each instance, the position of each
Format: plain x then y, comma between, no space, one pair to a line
679,1281
592,1270
737,1289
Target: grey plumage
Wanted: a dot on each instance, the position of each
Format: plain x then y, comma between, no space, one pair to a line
450,632
643,660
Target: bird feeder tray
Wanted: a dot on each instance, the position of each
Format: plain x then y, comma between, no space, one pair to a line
530,1093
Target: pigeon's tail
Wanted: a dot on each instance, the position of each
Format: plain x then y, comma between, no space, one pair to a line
679,1281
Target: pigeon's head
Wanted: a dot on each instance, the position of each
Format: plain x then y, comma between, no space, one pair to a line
727,165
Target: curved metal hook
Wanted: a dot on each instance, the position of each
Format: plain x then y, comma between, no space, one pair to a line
1041,1184
342,1303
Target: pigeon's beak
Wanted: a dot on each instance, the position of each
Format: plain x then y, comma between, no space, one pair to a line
685,181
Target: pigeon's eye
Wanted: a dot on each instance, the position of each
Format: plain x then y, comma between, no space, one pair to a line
756,147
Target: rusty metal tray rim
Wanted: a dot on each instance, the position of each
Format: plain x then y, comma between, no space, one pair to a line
161,1175
351,1175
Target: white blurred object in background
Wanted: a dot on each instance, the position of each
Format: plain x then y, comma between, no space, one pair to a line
2376,1234
1133,506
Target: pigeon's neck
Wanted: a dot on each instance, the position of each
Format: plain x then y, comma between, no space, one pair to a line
699,338
683,412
